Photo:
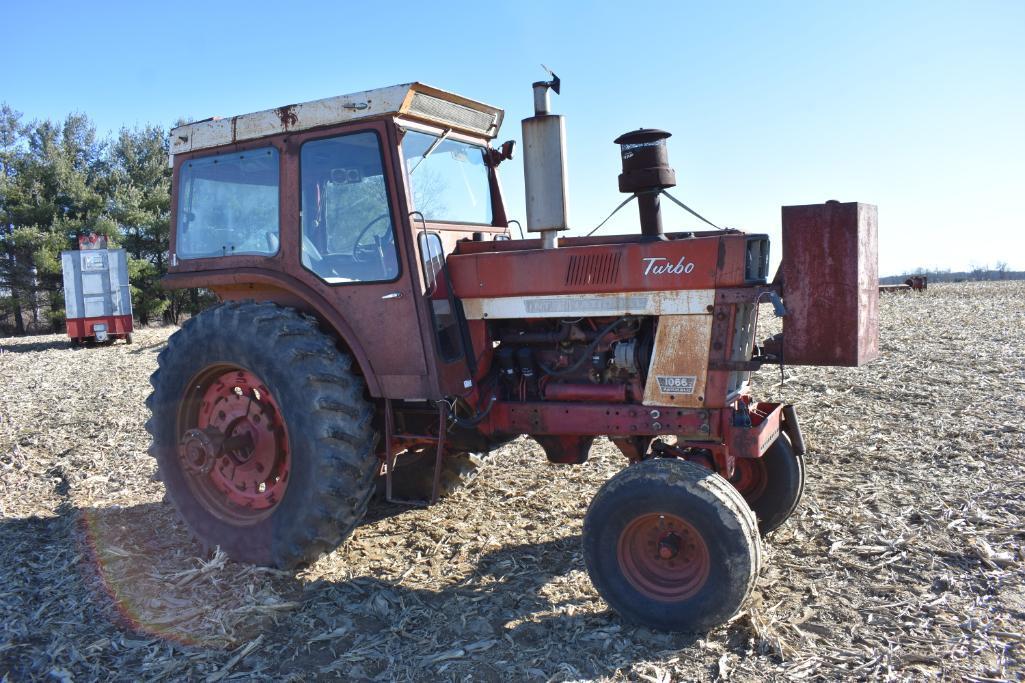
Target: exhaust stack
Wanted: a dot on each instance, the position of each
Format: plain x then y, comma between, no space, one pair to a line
646,172
544,167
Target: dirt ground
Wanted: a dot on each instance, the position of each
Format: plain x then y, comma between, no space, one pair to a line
905,559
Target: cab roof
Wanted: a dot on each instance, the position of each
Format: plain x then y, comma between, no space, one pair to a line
412,100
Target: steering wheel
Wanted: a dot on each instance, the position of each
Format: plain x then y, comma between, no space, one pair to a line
363,252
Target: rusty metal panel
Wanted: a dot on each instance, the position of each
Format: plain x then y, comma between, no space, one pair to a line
830,284
679,264
752,441
679,361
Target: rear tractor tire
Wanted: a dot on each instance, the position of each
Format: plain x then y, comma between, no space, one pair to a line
772,484
262,434
672,546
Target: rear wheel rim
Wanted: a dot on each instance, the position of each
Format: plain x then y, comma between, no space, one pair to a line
663,557
245,481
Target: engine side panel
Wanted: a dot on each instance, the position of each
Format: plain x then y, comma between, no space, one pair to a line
679,361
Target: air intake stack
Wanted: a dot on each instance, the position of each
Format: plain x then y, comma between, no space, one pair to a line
544,167
646,172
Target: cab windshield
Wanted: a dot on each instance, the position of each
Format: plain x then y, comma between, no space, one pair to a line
447,178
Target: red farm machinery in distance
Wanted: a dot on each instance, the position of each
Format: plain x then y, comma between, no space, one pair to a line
379,325
97,296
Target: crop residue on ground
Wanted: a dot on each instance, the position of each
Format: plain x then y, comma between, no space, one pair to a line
905,559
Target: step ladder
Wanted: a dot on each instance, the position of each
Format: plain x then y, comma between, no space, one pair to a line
390,457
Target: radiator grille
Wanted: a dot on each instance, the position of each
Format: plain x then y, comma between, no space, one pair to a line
743,344
593,269
757,268
455,114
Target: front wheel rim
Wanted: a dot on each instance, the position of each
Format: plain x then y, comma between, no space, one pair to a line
663,557
750,477
233,444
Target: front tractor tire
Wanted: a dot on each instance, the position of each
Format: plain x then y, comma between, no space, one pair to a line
772,484
672,546
262,434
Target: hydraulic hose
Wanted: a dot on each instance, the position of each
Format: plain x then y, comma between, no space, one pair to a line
468,423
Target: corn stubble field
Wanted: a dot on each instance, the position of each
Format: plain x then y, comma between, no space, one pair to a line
905,559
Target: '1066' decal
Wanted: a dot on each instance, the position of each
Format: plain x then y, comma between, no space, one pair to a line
676,384
660,265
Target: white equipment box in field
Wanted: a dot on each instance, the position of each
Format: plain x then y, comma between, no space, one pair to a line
97,298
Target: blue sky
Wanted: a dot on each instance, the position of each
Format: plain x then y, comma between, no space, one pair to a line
918,107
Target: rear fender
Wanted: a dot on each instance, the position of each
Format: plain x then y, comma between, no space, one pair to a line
262,285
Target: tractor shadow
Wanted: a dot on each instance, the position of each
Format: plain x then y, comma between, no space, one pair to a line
133,575
21,346
151,347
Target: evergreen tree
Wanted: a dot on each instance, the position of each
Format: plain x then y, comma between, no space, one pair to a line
140,189
59,181
54,194
11,142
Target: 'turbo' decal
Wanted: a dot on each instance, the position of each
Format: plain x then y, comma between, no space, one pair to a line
660,265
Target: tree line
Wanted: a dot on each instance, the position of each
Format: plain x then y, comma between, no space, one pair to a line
60,180
1000,271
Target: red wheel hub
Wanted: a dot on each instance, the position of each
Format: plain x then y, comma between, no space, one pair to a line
234,445
664,557
749,477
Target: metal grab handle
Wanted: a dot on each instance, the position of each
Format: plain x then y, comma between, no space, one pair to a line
427,263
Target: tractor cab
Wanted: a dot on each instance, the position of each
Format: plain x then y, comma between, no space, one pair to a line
345,209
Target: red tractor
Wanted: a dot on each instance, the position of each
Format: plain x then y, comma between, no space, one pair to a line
378,323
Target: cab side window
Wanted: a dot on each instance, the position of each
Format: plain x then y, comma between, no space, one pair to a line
228,205
347,230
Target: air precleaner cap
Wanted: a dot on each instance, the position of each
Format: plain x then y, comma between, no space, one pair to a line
645,161
646,172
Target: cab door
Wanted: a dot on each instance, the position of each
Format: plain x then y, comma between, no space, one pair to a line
351,250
